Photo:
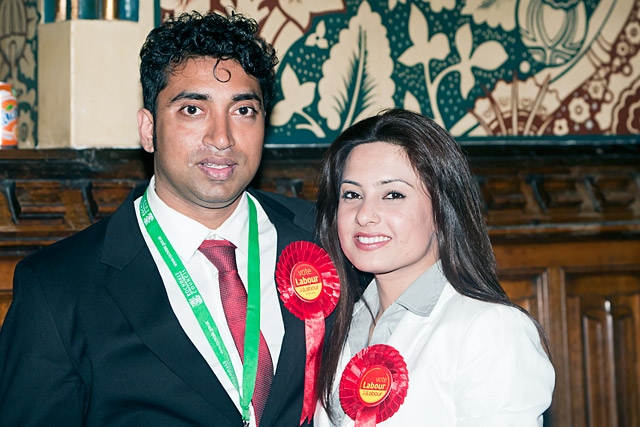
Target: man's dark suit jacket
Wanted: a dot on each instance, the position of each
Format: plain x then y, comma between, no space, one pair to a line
91,339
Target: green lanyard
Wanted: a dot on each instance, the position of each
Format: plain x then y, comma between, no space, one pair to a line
200,310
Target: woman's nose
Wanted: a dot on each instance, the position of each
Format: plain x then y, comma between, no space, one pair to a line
367,213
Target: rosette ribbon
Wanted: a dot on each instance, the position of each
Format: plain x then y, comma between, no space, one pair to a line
309,287
373,385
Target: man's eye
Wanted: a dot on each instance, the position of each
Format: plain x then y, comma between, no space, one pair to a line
245,111
191,109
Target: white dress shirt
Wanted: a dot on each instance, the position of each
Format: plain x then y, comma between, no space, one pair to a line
186,235
471,363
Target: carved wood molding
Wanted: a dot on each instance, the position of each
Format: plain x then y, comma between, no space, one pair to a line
46,195
559,191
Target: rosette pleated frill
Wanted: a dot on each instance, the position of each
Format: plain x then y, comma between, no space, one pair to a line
309,287
373,385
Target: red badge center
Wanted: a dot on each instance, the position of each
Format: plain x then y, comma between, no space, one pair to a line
374,385
306,281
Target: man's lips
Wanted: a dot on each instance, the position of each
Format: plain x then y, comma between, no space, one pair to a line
217,169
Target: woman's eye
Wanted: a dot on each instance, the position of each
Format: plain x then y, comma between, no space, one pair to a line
392,195
348,195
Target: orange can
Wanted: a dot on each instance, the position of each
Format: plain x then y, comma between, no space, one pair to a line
9,116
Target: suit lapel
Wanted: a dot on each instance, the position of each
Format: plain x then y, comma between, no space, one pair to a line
147,308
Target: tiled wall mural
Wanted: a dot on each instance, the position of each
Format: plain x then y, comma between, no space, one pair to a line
558,70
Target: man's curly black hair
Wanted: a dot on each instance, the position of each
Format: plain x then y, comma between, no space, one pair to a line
195,35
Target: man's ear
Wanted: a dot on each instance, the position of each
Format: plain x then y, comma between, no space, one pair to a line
145,129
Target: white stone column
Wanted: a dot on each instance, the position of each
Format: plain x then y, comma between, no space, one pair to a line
88,81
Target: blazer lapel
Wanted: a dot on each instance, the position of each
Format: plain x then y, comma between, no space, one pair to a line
136,286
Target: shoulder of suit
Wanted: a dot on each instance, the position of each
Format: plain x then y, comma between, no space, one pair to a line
302,212
85,243
72,249
289,202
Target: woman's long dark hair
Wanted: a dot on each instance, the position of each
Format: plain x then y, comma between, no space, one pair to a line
466,254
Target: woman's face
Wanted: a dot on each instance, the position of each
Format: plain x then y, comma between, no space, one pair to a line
385,218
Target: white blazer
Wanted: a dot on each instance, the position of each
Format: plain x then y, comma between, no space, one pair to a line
471,364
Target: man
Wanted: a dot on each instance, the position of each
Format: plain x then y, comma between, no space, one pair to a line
124,323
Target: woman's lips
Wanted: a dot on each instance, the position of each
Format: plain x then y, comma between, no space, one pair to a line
370,242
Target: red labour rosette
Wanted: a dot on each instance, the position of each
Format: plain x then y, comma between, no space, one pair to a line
309,288
373,385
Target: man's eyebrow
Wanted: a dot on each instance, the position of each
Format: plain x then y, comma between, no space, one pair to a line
248,96
197,96
190,95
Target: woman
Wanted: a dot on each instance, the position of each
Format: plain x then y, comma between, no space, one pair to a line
396,199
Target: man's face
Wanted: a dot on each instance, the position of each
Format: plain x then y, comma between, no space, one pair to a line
209,135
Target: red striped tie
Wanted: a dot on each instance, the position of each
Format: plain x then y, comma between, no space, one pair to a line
234,302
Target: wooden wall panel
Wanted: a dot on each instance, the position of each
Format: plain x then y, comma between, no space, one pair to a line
590,291
5,302
528,289
603,319
7,265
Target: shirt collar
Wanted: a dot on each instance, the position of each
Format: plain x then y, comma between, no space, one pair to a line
236,228
422,295
419,298
186,234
